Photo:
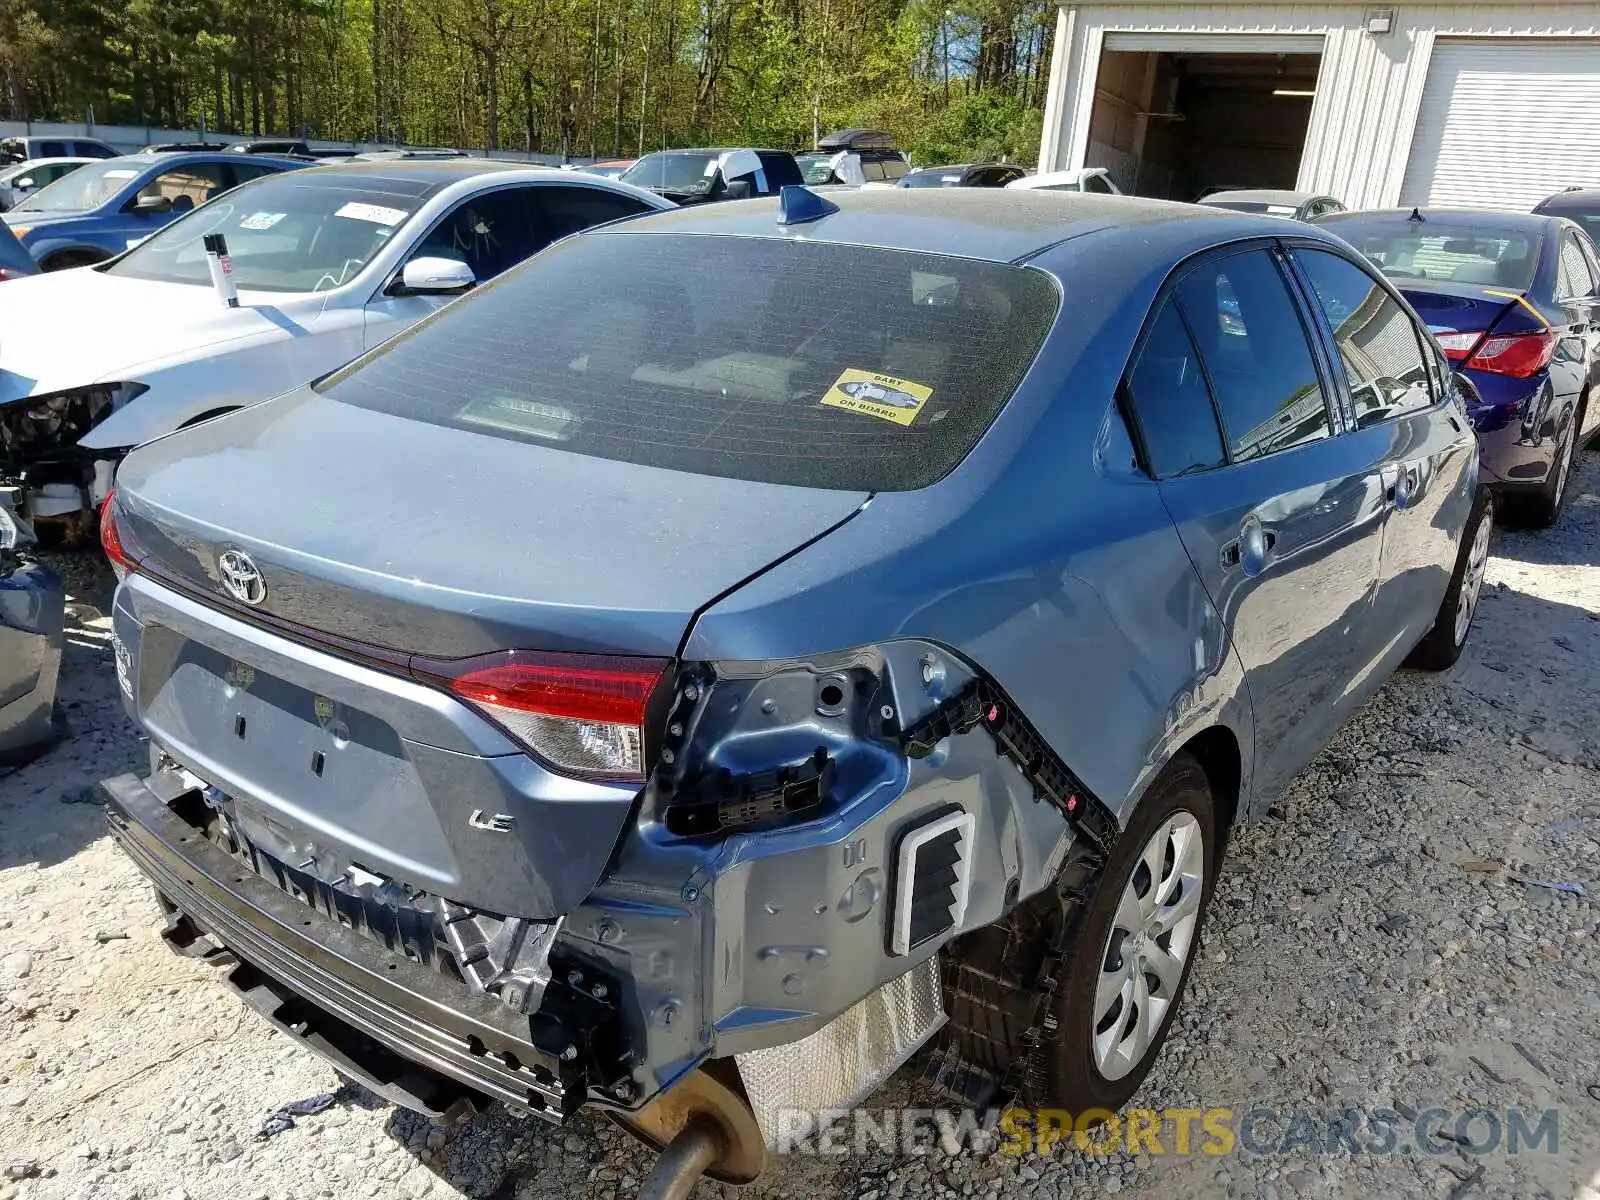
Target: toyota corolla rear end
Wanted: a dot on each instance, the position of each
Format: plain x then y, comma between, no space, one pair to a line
430,768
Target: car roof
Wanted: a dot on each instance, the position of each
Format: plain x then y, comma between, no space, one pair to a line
33,163
1262,196
167,161
1478,218
435,172
1580,196
993,224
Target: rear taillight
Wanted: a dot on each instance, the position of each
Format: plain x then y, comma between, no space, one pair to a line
582,713
122,563
1457,346
1518,355
7,273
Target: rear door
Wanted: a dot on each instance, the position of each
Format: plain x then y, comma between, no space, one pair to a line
1393,381
1281,514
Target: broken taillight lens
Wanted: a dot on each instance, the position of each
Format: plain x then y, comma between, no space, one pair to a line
122,563
583,714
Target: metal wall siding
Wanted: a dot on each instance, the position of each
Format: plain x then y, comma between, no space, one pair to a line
1369,89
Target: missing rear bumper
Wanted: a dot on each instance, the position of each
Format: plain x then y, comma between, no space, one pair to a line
418,1039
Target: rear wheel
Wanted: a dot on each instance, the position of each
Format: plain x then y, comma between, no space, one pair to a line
1441,646
1542,509
1129,950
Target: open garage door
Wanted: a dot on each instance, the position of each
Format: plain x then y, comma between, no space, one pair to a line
1505,124
1176,116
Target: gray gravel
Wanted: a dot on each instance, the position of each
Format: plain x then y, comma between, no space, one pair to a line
1370,945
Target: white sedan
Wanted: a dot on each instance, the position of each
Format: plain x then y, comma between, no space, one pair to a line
1084,179
327,262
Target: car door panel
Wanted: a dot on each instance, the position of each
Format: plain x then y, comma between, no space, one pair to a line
1286,535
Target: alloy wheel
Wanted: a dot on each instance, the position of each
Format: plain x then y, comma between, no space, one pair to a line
1472,578
1564,457
1151,938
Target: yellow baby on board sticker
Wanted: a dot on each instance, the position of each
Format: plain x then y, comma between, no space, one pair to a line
881,396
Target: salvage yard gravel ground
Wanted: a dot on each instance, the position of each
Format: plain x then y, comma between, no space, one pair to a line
1413,926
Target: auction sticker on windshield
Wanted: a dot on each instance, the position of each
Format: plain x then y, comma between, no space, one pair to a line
881,396
378,214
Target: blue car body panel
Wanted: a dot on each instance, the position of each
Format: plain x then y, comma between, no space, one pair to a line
1112,608
110,227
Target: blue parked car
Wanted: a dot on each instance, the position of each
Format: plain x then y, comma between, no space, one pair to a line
101,209
1514,299
935,591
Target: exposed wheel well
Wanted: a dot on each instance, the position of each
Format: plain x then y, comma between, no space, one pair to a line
1217,752
80,256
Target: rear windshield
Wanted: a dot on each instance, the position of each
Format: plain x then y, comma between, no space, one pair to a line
673,170
1449,252
794,362
932,177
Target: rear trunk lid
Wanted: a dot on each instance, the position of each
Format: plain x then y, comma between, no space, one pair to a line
1459,307
445,543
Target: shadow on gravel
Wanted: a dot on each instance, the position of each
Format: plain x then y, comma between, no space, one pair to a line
49,809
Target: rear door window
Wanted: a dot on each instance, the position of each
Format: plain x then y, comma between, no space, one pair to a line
1379,344
188,186
805,363
780,170
52,150
1250,336
561,210
1572,273
1172,401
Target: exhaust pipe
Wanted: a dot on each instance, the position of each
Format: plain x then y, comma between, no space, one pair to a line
681,1164
703,1126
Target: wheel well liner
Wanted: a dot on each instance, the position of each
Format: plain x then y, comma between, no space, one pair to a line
1217,751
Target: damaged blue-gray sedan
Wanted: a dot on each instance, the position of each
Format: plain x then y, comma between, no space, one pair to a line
747,645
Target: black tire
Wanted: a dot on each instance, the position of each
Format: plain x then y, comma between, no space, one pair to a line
1068,1075
1441,647
1541,509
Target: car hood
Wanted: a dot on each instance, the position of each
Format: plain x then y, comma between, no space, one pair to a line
68,329
394,533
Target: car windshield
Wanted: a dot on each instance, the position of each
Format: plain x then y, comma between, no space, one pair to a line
673,171
932,177
809,363
87,187
285,233
814,168
1444,250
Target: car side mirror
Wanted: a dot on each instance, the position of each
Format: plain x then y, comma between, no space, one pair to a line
150,206
25,184
738,189
433,276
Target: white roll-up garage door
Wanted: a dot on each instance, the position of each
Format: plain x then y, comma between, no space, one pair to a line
1504,124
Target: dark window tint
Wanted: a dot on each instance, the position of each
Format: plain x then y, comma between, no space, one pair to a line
808,363
564,210
245,172
53,150
489,232
1378,341
1172,402
93,150
1254,346
780,170
1096,183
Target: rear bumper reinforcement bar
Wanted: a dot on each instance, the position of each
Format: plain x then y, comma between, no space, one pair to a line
414,1037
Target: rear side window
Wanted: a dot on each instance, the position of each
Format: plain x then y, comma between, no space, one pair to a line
1250,337
1378,342
1572,277
52,150
791,362
1172,402
1096,183
780,170
569,209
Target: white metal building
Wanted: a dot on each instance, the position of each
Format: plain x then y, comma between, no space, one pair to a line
1378,105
